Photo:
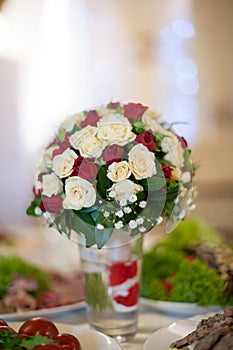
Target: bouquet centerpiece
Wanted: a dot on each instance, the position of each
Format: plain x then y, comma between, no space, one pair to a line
117,167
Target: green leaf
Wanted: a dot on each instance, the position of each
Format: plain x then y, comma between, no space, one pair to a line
61,134
85,217
95,214
89,210
102,236
31,342
119,110
34,204
154,183
62,222
103,182
10,341
75,128
82,222
138,127
172,191
159,137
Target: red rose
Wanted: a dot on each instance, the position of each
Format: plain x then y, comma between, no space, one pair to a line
184,143
63,145
114,105
76,166
134,110
51,204
40,176
147,139
112,154
167,171
36,192
85,168
92,118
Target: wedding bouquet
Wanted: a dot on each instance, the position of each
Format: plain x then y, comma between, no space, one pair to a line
117,167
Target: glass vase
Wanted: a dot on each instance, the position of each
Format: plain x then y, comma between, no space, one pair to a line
112,277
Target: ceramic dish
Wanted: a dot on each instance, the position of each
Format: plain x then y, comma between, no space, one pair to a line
89,339
185,309
42,312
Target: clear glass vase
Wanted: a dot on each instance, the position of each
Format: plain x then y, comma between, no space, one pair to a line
112,277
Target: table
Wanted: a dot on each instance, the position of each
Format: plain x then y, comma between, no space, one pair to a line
46,250
149,321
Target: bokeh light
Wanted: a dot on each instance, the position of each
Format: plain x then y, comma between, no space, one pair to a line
183,28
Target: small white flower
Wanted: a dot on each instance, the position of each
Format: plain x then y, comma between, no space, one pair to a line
159,220
119,213
132,224
142,204
106,214
192,207
112,194
38,211
142,229
100,201
123,202
118,224
140,221
182,214
46,215
100,227
186,176
133,198
127,210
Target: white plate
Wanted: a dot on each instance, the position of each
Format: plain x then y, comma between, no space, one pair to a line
43,312
185,309
177,330
89,339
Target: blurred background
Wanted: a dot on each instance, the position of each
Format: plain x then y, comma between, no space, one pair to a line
58,57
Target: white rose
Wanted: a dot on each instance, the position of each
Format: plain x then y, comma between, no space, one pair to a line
142,162
80,193
46,162
119,171
63,163
175,153
150,119
71,120
87,142
51,185
123,190
115,129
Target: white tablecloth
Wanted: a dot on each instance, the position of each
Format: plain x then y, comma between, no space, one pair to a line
149,321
